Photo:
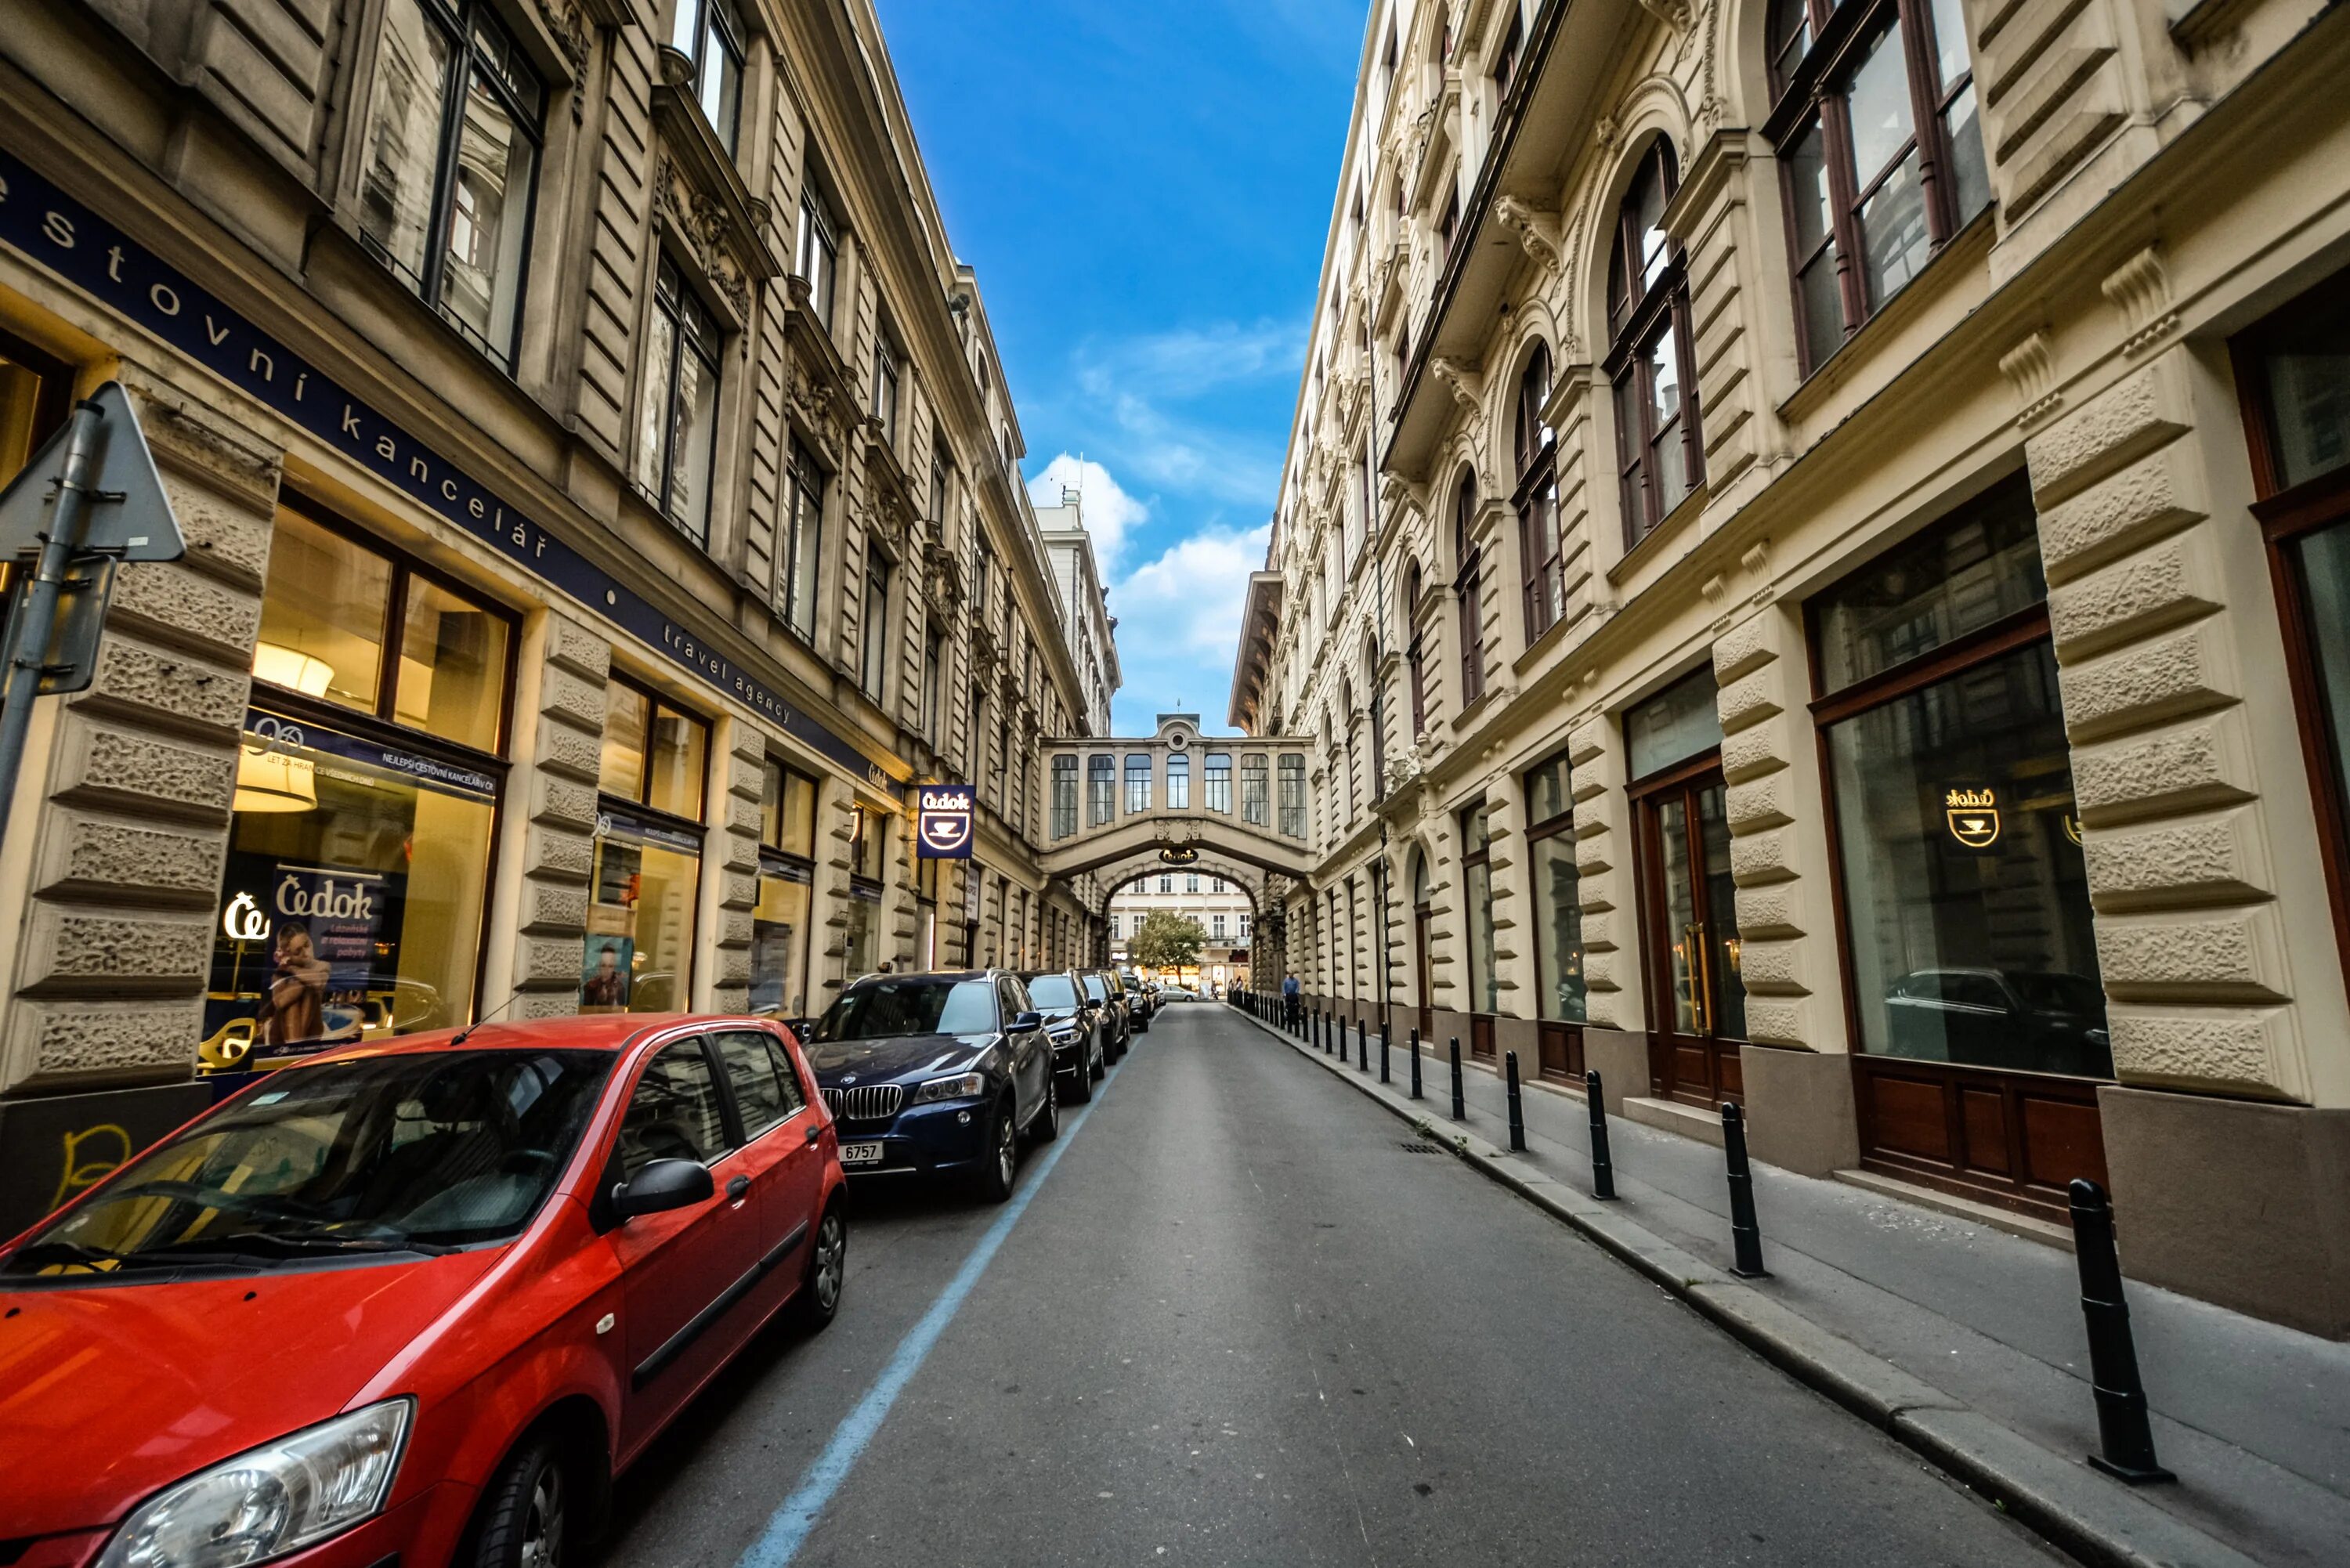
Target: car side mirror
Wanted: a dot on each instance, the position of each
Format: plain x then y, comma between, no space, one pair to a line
1026,1022
663,1185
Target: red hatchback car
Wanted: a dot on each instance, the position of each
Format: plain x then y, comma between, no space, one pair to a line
414,1301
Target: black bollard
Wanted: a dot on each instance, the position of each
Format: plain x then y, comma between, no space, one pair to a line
1517,1105
1415,1061
1460,1100
1362,1044
1603,1168
1745,1234
2125,1434
1385,1029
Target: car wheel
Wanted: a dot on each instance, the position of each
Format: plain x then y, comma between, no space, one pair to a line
1048,1125
818,1302
994,1179
1081,1077
526,1511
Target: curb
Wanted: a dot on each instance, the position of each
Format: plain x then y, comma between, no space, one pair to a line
2058,1497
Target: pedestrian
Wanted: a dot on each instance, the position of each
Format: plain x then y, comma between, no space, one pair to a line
1289,999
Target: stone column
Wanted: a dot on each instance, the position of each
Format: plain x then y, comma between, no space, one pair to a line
1616,1039
836,827
551,818
730,873
1510,869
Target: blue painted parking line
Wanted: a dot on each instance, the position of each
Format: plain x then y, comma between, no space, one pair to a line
790,1525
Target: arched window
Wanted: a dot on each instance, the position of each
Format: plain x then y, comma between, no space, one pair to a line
1659,457
1416,654
1539,554
1464,590
1377,689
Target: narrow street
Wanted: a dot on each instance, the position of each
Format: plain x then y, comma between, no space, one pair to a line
1238,1321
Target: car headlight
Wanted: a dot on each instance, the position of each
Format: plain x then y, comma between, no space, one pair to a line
273,1499
961,1086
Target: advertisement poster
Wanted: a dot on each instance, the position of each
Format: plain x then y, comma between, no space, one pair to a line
605,972
298,951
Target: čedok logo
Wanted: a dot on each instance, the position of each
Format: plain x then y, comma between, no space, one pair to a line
943,828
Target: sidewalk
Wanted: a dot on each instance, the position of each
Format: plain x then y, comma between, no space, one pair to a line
1963,1340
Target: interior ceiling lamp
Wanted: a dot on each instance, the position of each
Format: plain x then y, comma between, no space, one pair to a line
290,667
269,778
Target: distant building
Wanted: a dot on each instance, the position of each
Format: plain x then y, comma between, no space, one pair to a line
1221,907
1085,620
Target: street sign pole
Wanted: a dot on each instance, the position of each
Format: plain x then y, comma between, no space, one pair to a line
29,648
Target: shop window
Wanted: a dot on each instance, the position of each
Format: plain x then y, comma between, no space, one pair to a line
1216,781
1138,783
709,34
779,922
1557,887
1101,789
1065,796
1253,791
36,395
445,198
1881,149
1966,899
366,801
1477,897
2293,373
640,918
679,419
1659,457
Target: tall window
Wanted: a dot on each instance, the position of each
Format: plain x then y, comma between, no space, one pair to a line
1217,780
1244,925
1465,590
1377,714
1539,553
1416,655
1138,783
1505,62
886,386
1559,991
1253,791
679,419
780,932
1658,458
1450,228
1293,795
803,544
639,951
446,197
1477,888
1191,881
942,480
1877,133
1101,789
1178,784
875,654
818,253
934,679
709,34
1216,927
1065,796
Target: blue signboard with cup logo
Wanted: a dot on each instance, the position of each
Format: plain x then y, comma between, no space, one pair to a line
944,822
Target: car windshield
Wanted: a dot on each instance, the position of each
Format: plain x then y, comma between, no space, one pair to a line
416,1151
1053,994
915,1005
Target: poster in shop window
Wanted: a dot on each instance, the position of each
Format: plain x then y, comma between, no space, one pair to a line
303,956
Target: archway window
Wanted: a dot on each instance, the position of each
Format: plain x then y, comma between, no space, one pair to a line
1539,553
1660,460
1881,144
1416,654
1464,591
1377,711
1253,791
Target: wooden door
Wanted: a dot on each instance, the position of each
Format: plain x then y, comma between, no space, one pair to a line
1421,919
1689,936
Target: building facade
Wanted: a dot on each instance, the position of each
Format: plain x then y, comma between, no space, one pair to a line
1812,561
1085,621
603,511
1222,908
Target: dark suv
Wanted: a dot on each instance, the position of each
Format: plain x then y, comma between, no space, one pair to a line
937,1075
1103,987
1078,1026
1139,1003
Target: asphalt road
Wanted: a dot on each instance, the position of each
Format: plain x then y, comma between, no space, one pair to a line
1239,1323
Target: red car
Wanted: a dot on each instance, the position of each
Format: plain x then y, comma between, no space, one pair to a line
415,1300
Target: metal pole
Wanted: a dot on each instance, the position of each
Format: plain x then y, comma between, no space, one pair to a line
29,651
1745,1233
1384,1032
1362,1044
1415,1061
1517,1105
1460,1100
2125,1434
1603,1168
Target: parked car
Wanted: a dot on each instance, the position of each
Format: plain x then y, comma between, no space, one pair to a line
1173,993
937,1075
2036,1021
416,1300
1073,1022
1139,1005
1103,987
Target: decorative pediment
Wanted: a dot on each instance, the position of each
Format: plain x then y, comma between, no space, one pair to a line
820,390
704,231
893,488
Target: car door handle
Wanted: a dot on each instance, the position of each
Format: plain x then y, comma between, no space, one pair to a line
736,1186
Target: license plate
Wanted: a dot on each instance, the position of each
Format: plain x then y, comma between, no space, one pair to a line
860,1154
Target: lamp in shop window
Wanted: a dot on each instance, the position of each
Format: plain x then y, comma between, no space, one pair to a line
291,668
270,775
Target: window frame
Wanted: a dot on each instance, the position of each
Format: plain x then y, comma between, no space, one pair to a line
1468,591
1065,776
719,20
873,636
674,297
1542,547
817,236
641,802
802,475
1637,324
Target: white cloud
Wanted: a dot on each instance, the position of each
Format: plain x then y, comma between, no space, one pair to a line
1189,360
1109,511
1180,624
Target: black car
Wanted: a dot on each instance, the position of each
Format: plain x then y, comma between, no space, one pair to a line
1103,987
1078,1026
2031,1020
1139,1003
937,1075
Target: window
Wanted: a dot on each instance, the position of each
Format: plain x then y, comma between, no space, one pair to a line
1253,791
1217,780
1674,725
1101,789
1116,929
797,563
1216,927
766,1090
35,395
1293,795
1244,927
1166,884
780,930
933,672
675,1112
886,386
1190,882
1505,61
709,34
1965,894
1178,784
679,417
367,795
1065,796
1138,783
869,859
648,859
818,253
1465,591
446,196
1449,229
1559,991
1477,888
1215,884
875,658
941,486
1881,145
1416,653
1658,459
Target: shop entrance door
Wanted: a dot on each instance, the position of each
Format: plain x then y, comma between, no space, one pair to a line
1689,931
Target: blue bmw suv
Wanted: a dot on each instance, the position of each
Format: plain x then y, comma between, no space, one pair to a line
937,1075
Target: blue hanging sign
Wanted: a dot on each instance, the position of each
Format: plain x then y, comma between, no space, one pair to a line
943,824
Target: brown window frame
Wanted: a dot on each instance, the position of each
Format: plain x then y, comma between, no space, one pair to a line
641,802
1466,592
1416,651
1637,323
1535,500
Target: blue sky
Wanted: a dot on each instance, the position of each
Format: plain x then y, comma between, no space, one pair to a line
1144,192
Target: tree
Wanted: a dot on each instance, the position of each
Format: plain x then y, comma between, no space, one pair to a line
1167,941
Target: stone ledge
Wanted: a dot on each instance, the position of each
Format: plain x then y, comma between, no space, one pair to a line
1958,1208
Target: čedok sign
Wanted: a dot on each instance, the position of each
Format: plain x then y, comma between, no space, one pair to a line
943,824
